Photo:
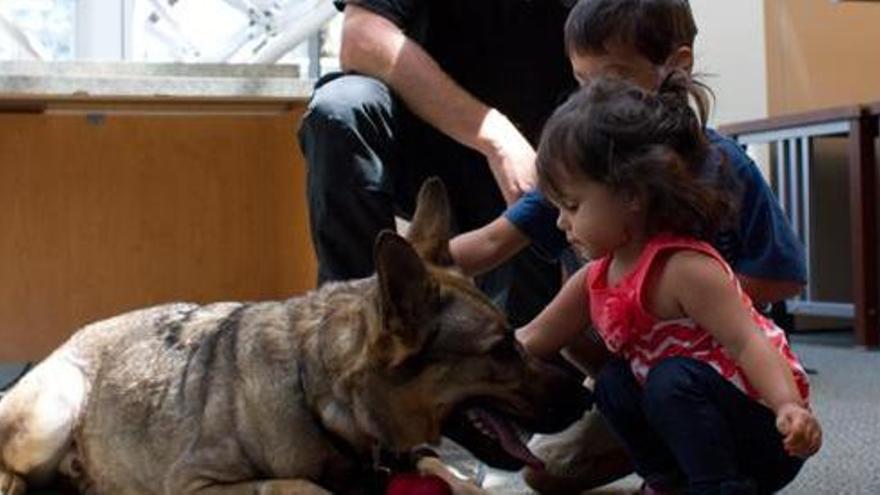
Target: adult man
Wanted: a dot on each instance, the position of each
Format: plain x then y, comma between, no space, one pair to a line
457,89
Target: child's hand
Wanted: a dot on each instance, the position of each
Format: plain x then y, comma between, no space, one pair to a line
526,336
800,429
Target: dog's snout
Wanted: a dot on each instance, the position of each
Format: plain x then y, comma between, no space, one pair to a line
558,394
556,373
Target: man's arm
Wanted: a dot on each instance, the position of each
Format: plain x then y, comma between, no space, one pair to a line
374,46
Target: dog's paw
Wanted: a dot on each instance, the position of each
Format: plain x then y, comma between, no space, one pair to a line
11,484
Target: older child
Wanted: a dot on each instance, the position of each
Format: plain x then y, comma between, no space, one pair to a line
642,41
706,392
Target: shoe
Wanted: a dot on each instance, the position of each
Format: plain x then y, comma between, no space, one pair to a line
583,456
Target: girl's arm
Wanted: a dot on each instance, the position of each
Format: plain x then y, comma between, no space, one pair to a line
560,321
705,293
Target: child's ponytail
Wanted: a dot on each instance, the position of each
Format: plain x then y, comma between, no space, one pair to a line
685,105
679,88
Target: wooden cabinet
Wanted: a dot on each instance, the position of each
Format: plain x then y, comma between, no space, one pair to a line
821,54
109,205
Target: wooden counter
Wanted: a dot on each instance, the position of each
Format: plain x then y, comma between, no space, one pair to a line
114,202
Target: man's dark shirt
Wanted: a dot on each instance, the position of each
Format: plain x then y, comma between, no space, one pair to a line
509,54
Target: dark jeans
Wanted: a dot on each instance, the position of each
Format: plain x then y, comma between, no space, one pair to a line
367,156
690,425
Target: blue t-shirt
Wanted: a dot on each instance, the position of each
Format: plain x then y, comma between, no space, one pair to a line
764,246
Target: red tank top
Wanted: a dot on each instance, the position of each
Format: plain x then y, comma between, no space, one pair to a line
630,331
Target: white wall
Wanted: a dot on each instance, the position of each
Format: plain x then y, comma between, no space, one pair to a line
731,48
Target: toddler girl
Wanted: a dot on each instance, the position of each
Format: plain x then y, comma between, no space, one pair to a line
704,391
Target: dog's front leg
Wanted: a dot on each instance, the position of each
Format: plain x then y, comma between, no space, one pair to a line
433,465
268,487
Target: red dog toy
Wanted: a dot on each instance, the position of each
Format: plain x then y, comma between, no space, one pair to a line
417,484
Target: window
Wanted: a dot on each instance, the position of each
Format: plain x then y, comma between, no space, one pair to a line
302,32
37,29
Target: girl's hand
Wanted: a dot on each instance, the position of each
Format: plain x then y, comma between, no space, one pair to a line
800,429
526,337
560,321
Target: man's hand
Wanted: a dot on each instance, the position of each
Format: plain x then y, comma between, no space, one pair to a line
511,158
374,46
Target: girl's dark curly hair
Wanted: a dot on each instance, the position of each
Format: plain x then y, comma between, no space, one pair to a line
650,145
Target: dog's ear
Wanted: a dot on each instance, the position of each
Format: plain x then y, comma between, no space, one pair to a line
430,228
407,291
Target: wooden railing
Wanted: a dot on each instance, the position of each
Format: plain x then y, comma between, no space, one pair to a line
792,137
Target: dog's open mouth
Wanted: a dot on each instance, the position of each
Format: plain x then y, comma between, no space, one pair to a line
490,437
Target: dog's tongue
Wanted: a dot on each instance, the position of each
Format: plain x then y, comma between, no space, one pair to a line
507,437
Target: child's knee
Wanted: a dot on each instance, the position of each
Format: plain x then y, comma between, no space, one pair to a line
614,384
672,380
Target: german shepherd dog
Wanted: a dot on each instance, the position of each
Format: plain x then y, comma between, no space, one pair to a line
285,397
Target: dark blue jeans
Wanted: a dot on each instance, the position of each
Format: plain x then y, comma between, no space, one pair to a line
690,426
367,156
